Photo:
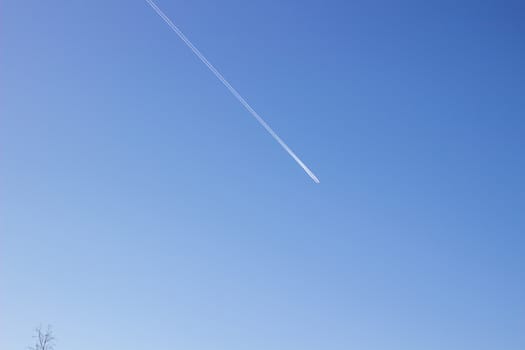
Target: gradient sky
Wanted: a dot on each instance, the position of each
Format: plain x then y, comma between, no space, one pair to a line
143,208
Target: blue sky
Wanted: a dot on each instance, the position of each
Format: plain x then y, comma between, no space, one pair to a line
143,208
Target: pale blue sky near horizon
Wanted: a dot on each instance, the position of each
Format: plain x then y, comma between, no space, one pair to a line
142,207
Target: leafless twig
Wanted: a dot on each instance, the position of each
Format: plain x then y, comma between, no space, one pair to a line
44,339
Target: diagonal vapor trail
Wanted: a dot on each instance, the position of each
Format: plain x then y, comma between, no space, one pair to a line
232,90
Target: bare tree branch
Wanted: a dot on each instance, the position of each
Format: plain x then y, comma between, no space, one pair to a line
44,339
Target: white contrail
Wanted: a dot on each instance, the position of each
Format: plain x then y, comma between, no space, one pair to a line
232,90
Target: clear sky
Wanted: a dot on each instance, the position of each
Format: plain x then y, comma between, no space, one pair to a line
143,208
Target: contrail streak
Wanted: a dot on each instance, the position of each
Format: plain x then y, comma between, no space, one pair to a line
232,90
